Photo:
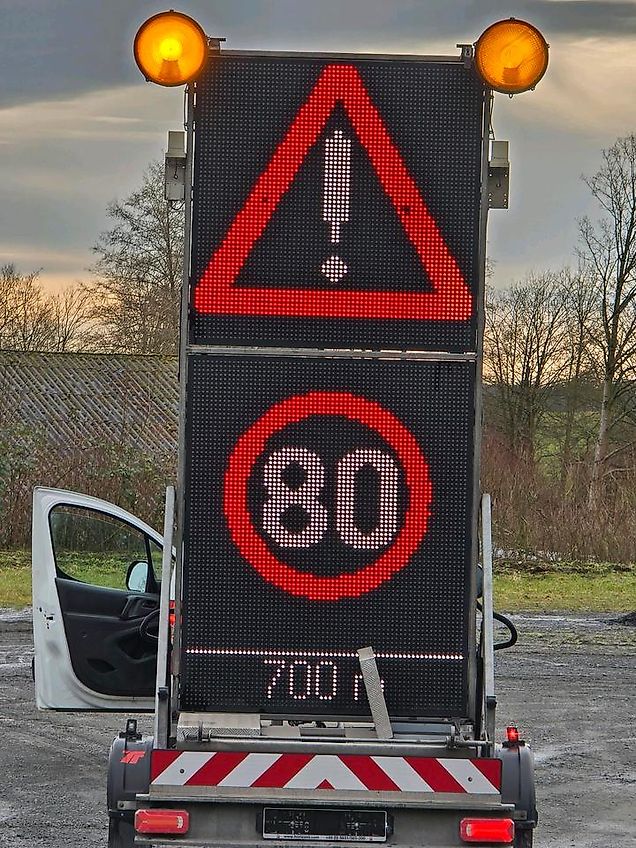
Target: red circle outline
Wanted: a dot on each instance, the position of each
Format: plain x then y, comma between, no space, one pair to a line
305,584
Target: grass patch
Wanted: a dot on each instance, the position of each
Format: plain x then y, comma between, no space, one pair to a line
105,569
15,586
537,586
15,578
14,559
566,592
99,569
544,585
526,565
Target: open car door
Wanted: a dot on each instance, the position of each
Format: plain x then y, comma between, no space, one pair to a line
96,583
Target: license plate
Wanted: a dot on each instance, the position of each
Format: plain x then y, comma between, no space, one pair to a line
329,825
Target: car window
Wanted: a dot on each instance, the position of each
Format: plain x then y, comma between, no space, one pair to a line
156,554
97,548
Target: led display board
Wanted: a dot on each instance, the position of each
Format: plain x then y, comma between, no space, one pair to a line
336,203
329,507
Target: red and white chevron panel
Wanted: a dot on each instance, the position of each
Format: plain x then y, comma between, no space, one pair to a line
241,770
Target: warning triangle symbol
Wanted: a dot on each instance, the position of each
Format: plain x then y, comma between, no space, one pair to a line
448,299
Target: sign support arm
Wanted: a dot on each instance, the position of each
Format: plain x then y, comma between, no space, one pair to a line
375,695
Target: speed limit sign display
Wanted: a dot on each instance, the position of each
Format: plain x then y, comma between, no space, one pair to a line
332,351
329,509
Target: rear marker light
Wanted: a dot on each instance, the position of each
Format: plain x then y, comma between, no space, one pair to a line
513,739
497,831
162,821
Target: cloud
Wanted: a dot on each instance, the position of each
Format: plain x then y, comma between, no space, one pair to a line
61,165
613,18
56,269
65,47
585,90
609,18
55,50
72,142
39,258
136,112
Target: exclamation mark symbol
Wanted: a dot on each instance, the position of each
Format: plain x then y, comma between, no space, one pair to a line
337,191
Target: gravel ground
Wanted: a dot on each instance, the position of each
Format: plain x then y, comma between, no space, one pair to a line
568,684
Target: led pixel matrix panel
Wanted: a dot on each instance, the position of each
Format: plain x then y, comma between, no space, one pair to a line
336,203
329,508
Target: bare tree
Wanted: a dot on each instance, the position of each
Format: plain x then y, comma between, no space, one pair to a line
24,314
30,320
70,313
579,374
525,354
608,250
137,283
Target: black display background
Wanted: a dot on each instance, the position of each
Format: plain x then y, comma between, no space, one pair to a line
433,113
229,607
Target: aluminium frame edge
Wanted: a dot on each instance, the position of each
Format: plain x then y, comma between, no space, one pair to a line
162,705
473,707
291,54
183,389
333,353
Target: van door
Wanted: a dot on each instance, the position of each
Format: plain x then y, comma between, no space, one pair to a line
96,583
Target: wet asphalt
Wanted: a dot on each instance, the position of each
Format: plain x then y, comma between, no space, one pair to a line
569,684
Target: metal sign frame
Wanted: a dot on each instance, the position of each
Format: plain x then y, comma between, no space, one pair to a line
185,348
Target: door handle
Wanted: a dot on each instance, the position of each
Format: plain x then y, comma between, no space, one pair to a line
137,608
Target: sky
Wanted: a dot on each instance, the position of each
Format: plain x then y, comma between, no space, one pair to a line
78,124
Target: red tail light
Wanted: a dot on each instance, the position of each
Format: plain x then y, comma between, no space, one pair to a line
171,616
162,821
499,831
512,735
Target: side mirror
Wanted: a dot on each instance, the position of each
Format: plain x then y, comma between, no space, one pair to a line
137,576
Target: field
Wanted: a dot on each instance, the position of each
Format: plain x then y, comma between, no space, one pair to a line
565,587
519,585
15,573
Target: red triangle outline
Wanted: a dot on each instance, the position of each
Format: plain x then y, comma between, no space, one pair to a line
451,299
